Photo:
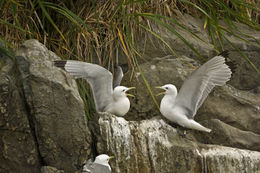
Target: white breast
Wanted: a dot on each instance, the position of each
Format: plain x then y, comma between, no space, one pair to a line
169,111
119,107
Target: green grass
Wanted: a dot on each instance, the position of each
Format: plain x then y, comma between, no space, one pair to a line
89,30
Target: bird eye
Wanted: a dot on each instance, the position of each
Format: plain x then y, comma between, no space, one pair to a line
124,90
166,87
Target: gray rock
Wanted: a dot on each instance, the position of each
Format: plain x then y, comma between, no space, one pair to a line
44,117
50,169
234,116
19,152
154,146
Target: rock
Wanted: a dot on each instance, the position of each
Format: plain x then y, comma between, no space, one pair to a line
44,121
234,117
231,113
154,146
49,169
19,152
226,159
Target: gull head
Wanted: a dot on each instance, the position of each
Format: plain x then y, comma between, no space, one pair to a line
103,159
122,91
168,89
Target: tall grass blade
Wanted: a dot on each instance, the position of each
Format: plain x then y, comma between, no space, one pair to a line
46,14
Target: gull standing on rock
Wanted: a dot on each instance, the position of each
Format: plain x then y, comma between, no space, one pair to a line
181,107
106,98
100,165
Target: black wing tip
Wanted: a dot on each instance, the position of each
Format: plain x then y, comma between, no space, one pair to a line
231,64
60,63
225,53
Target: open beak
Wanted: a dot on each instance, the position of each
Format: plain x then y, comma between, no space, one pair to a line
130,88
161,93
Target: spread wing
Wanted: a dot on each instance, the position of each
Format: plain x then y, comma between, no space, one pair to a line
118,76
199,84
98,77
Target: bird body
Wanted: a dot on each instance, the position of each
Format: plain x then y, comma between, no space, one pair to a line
106,98
177,114
120,105
100,165
181,107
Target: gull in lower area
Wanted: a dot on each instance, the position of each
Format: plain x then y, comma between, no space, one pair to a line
100,165
106,98
181,107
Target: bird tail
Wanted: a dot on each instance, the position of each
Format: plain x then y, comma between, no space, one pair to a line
194,125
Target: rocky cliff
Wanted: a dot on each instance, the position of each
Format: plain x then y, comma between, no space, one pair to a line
155,146
42,116
43,127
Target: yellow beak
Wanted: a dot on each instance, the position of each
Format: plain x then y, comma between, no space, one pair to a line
111,157
161,93
130,88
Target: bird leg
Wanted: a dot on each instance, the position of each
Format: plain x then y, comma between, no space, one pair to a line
181,131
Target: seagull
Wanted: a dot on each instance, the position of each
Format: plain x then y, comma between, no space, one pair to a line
107,97
100,165
181,107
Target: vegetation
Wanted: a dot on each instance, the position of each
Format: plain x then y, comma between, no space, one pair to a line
100,29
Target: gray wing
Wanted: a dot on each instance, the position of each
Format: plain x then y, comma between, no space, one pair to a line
118,76
199,84
98,77
98,168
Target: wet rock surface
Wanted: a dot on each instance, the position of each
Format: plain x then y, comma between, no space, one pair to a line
155,146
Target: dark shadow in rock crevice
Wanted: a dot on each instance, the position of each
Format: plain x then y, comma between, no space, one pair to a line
22,67
95,134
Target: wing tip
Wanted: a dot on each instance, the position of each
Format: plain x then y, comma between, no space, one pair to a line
225,53
118,75
60,63
231,64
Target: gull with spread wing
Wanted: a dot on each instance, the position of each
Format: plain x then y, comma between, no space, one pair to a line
108,95
181,107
